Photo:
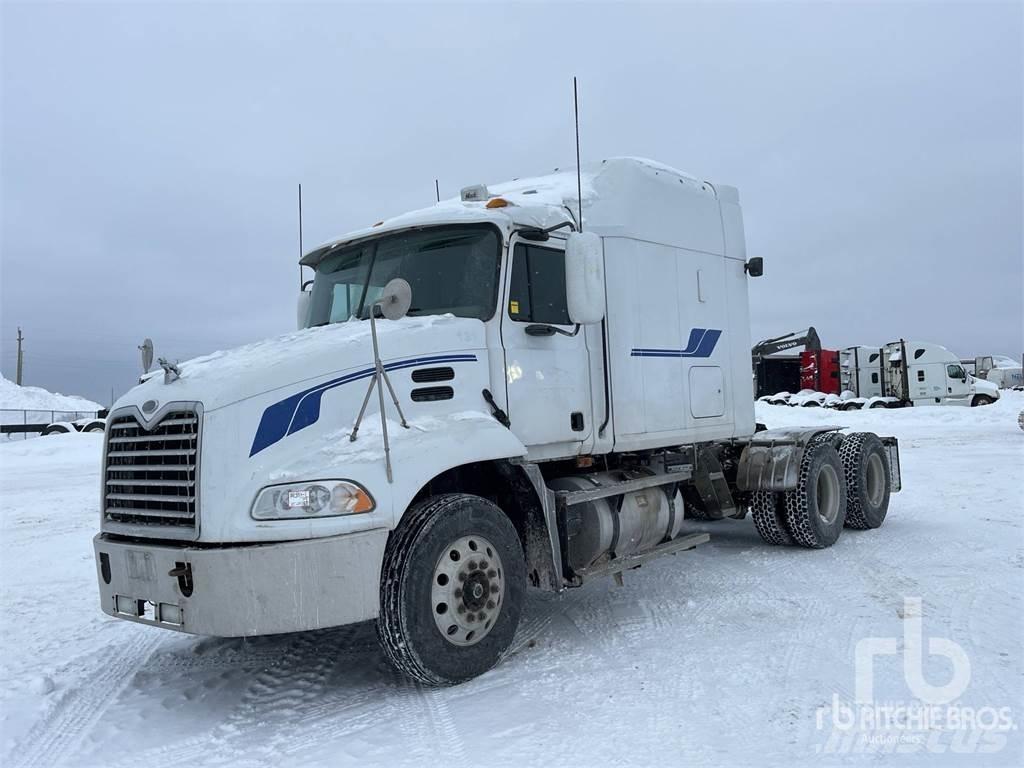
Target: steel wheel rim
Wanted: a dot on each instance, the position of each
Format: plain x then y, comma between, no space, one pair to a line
827,492
467,590
875,477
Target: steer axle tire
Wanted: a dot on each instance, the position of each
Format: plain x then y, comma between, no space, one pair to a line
816,510
452,587
868,480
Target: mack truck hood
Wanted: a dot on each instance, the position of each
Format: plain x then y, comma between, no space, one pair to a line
293,359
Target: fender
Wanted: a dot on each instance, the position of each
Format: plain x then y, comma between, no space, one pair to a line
456,439
771,460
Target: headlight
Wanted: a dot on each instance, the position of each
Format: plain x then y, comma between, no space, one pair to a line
318,498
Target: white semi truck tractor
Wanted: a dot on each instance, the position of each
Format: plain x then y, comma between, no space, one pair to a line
529,385
910,373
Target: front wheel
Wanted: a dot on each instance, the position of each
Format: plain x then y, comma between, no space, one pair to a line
452,588
982,400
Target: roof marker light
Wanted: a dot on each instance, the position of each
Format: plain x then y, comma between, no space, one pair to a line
497,202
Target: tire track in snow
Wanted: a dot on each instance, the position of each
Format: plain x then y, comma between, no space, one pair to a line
290,699
54,739
276,691
441,717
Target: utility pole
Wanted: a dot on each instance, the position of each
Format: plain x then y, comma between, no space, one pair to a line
21,359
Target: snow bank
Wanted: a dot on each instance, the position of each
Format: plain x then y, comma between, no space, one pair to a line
38,399
1000,415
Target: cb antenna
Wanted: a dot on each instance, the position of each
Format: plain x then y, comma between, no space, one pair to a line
437,191
579,178
300,237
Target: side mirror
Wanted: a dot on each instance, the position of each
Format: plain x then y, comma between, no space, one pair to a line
302,309
584,278
754,267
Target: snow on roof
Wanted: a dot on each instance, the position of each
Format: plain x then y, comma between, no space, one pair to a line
609,189
1005,361
38,399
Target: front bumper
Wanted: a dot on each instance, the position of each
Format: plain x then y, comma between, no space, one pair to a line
242,590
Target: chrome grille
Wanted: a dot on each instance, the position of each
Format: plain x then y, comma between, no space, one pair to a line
150,477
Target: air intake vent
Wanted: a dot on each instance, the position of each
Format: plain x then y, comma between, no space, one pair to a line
427,394
150,477
421,375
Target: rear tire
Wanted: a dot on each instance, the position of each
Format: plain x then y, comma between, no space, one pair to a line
769,512
816,510
868,480
59,428
428,563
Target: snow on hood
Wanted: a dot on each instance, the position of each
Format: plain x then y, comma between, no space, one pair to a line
225,377
423,435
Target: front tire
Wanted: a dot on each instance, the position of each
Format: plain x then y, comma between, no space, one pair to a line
981,400
452,588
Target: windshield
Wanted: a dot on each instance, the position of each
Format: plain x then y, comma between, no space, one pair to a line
451,269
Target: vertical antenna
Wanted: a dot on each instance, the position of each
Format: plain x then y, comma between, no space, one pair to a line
579,178
300,237
21,359
437,191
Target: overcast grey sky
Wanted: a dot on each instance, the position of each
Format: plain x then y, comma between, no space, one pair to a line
150,155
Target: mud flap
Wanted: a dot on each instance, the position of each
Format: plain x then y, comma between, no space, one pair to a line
709,480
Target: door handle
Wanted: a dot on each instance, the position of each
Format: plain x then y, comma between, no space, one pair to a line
543,329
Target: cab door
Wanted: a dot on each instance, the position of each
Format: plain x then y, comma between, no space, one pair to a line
958,389
547,365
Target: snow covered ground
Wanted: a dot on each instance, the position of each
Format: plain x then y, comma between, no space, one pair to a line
724,655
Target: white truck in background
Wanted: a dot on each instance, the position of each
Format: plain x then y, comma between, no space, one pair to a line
905,373
1001,370
569,382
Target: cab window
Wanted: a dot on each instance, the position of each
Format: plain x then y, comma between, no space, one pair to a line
955,372
537,286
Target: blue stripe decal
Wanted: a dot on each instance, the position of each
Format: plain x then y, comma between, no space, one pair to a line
701,343
302,409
